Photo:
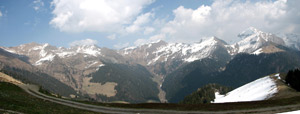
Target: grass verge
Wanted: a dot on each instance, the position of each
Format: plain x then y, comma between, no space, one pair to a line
14,98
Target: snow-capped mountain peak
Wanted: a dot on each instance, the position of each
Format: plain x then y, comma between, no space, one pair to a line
248,32
253,39
160,51
87,49
158,42
39,53
187,52
143,48
202,49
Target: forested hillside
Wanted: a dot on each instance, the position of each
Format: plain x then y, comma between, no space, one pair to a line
205,94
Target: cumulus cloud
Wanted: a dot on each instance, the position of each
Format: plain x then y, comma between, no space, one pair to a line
148,30
84,42
151,39
38,5
227,18
139,22
112,37
120,45
0,14
96,15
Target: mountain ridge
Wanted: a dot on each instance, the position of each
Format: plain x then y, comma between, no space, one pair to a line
73,65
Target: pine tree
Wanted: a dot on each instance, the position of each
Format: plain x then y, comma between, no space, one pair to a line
293,79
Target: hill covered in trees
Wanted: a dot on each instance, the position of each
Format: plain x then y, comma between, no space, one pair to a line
293,79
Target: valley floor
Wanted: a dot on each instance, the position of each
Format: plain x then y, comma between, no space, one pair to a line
162,93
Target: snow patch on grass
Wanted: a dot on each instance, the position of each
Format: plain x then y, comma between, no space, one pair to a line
257,90
292,112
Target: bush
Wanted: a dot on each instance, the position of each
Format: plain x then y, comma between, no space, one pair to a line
293,79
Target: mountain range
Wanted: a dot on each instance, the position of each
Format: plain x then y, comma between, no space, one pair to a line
152,72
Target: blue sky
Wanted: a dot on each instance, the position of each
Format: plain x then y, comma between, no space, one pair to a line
121,23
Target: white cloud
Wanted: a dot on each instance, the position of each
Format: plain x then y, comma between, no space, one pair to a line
151,39
0,14
96,15
119,45
38,5
112,37
84,42
140,42
139,22
157,37
226,18
148,30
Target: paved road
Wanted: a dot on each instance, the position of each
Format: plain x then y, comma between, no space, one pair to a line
33,90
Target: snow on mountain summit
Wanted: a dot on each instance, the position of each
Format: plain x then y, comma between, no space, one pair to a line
144,47
39,53
89,49
202,49
248,32
160,51
188,52
253,39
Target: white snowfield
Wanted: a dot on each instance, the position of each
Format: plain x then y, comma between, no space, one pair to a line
257,90
292,112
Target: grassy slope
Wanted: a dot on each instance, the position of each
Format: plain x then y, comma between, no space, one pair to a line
284,91
14,98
